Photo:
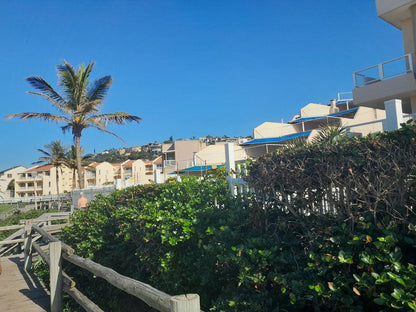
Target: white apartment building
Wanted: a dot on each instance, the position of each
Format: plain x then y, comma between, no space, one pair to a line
41,180
6,177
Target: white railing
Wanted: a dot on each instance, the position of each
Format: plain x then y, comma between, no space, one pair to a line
169,163
30,199
344,97
383,71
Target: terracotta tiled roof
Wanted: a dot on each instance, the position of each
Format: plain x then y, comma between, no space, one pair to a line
94,165
40,168
116,165
128,162
158,160
147,162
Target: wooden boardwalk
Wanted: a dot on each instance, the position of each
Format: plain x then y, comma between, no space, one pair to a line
20,290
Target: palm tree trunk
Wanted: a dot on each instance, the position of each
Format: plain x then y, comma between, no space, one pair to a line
74,179
57,187
79,165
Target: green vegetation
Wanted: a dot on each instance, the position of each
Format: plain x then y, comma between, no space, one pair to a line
16,217
113,156
9,207
274,250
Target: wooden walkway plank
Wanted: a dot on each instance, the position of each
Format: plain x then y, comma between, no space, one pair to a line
20,290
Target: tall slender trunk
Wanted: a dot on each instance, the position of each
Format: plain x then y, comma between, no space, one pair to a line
74,179
57,187
79,165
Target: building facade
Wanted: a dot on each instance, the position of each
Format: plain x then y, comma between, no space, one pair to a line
7,177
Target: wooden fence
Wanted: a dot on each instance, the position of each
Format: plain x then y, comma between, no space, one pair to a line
55,251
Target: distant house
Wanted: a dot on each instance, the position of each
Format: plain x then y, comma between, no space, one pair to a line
6,177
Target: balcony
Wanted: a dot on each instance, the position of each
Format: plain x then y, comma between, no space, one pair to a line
384,81
393,68
169,163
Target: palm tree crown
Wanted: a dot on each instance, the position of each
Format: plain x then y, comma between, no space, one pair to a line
79,104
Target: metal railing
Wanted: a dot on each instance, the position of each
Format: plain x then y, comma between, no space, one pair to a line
389,69
169,163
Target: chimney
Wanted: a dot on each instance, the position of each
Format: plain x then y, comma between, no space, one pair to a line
333,109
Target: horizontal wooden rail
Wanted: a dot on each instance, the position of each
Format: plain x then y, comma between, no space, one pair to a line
11,242
11,227
48,219
82,300
151,296
60,281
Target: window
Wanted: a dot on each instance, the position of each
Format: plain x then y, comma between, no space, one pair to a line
49,184
9,175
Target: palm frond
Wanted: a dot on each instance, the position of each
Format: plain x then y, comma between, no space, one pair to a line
83,75
53,153
298,142
99,126
41,84
329,134
61,107
99,88
119,118
32,115
68,80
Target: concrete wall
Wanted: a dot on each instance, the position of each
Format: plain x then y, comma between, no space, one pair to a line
367,120
104,173
375,94
313,109
274,129
215,154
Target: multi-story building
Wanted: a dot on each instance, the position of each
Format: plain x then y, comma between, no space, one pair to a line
97,174
138,172
42,180
180,154
391,85
359,120
9,176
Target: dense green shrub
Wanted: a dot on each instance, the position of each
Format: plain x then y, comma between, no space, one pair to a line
169,236
368,269
278,249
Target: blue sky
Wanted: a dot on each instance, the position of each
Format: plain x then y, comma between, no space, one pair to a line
188,68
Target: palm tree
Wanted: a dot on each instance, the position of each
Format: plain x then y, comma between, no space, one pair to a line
54,154
79,104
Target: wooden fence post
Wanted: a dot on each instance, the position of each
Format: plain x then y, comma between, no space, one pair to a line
28,246
55,271
185,303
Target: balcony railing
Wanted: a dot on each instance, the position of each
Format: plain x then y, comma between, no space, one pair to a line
170,163
383,71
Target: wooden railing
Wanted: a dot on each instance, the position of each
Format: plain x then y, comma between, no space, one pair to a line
60,282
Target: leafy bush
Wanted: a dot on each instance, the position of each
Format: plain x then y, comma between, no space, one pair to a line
279,249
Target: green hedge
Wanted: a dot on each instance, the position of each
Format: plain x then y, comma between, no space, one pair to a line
273,250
